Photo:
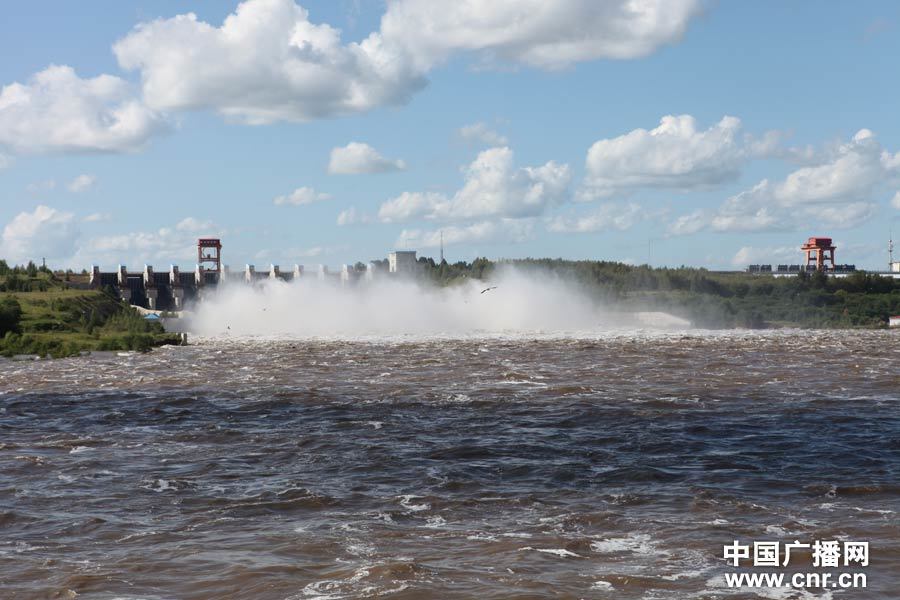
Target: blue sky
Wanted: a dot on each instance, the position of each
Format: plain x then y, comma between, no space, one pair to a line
518,129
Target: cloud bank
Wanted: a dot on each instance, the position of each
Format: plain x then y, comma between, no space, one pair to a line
838,192
268,62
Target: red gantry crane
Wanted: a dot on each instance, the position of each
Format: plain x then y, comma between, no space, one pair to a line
819,254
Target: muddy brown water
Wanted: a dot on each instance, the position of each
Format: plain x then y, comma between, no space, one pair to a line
594,466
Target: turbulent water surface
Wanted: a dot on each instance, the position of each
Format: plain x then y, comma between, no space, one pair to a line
610,466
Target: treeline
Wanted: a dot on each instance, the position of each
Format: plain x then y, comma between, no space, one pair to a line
708,299
33,278
24,278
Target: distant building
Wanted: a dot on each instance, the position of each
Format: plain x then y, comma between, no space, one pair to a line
402,261
894,321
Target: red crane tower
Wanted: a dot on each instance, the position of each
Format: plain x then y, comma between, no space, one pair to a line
819,252
209,255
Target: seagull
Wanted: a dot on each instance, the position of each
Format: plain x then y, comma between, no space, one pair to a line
488,289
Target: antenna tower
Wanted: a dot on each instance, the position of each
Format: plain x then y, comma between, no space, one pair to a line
891,250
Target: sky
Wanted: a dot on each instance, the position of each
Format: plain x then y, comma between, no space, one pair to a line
668,132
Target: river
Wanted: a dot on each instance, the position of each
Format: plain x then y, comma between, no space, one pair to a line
606,465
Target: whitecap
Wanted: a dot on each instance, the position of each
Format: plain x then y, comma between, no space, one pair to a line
560,552
161,485
406,502
435,522
637,544
685,575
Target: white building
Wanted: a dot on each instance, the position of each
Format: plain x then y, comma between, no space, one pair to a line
402,261
894,321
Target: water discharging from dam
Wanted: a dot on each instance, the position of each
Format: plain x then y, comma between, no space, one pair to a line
610,466
512,302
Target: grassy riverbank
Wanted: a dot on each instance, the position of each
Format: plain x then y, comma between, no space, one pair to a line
55,321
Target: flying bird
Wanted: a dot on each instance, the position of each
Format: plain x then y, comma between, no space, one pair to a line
488,289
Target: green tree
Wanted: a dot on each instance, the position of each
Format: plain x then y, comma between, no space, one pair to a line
10,315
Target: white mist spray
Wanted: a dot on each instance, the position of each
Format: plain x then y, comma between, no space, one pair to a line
512,302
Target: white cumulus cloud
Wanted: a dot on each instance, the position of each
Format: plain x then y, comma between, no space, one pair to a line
751,210
411,205
493,187
43,233
675,155
855,171
837,192
357,158
266,62
82,183
57,111
547,34
301,196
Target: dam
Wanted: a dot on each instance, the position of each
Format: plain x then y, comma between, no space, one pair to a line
170,290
